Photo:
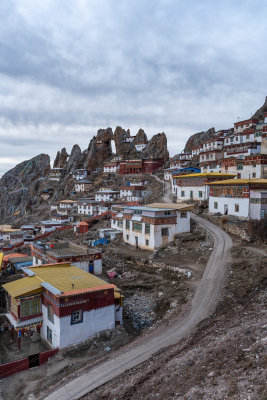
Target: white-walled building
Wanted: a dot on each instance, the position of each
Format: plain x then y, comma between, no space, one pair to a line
112,166
50,226
79,174
63,303
239,197
140,146
152,226
195,186
88,260
107,195
56,174
132,192
83,186
87,207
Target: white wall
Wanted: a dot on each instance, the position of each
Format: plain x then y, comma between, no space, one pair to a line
155,239
195,190
64,334
230,202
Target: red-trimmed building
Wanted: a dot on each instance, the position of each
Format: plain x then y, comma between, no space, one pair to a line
63,303
144,166
90,260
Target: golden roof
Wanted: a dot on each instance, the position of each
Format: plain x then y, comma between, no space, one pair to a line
172,206
239,181
64,277
23,286
203,175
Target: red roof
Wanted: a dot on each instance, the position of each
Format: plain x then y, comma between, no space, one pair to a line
13,255
82,223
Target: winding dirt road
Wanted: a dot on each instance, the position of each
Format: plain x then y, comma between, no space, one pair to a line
204,302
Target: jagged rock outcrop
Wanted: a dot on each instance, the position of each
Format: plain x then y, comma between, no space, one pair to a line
19,187
61,159
140,137
261,110
156,147
99,149
75,159
198,138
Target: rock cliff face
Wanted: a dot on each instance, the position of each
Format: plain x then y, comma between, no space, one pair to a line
157,147
261,110
99,149
61,159
19,187
198,138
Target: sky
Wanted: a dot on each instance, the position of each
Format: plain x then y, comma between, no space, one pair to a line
68,68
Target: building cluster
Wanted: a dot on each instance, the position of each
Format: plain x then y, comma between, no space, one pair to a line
229,171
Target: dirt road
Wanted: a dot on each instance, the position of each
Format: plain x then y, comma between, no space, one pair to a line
166,189
203,304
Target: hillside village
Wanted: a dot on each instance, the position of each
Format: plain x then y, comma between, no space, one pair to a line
105,247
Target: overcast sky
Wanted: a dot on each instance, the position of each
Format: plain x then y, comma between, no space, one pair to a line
68,68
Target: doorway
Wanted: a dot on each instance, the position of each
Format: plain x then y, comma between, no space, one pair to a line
136,242
226,209
33,360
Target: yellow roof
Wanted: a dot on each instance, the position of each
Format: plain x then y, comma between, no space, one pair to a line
7,228
61,276
173,206
204,174
28,285
67,201
239,181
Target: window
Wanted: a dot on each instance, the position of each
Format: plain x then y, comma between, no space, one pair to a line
114,221
215,205
236,207
167,213
120,223
247,136
200,194
127,237
49,335
147,242
164,232
137,226
253,174
147,229
239,166
76,317
191,194
30,307
182,193
127,224
50,313
183,214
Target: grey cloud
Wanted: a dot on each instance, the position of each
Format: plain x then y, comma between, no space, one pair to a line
68,68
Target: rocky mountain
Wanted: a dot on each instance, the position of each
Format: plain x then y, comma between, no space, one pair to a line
22,186
261,110
199,138
19,187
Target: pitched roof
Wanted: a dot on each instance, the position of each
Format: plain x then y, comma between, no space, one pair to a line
23,286
66,278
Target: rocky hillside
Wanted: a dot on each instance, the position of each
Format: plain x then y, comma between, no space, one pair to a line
261,110
19,187
199,138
